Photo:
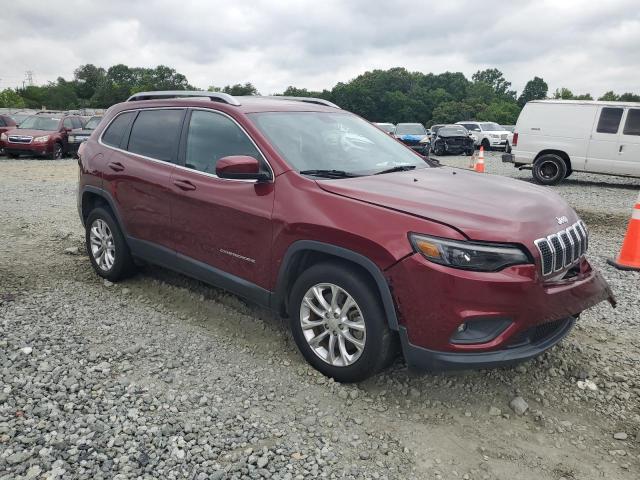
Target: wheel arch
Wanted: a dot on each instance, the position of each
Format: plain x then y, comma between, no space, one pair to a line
305,253
93,197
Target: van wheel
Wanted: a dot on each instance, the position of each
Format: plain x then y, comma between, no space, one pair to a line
549,169
338,323
106,246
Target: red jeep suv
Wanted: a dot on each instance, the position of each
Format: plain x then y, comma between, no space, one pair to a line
42,135
314,212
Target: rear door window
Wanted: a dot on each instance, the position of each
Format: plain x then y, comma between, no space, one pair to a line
67,123
116,130
632,125
156,133
609,120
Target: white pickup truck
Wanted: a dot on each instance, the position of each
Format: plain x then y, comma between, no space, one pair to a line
557,137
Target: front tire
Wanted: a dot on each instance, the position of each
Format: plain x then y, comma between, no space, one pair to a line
549,169
56,153
338,323
485,145
106,246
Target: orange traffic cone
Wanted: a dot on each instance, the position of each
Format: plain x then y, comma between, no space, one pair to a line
480,162
629,258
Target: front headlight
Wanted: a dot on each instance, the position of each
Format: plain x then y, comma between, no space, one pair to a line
4,137
72,139
44,138
482,257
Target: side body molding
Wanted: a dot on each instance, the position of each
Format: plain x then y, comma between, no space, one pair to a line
314,246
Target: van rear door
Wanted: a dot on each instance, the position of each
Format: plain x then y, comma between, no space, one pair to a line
604,143
629,149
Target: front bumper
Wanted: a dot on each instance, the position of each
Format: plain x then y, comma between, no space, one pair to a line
434,300
418,147
27,148
531,347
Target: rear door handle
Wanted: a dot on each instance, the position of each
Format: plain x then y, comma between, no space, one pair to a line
184,184
116,166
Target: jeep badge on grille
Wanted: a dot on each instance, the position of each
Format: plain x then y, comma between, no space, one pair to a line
562,219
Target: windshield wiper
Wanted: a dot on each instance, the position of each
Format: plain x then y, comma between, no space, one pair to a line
329,173
397,168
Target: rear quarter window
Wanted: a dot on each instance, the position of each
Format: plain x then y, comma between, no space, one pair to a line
119,126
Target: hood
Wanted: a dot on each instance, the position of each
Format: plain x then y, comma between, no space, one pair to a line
32,133
482,206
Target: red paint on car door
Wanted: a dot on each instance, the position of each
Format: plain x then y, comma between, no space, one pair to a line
223,223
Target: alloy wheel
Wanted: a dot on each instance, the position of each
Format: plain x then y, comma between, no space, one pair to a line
333,324
102,245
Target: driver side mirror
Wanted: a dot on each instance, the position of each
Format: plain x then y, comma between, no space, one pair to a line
240,167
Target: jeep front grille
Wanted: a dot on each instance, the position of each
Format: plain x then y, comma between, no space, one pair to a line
562,249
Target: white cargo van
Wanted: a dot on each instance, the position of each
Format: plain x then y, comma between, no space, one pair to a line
557,137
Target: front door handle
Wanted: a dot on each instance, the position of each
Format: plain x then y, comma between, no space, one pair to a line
116,166
184,184
621,148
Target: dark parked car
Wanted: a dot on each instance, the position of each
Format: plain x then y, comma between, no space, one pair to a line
76,137
43,135
452,139
6,124
312,211
414,136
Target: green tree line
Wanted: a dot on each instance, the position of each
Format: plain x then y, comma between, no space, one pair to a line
393,95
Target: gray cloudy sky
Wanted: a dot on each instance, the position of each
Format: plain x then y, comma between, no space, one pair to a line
587,46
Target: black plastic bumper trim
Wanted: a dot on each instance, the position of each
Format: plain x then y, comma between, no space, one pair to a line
433,360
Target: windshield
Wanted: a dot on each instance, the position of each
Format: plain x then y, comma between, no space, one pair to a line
386,127
452,131
333,141
410,129
19,117
38,122
491,126
93,123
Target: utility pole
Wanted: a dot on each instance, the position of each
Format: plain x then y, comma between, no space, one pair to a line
29,77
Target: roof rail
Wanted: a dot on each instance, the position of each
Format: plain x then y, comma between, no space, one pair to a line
317,101
213,96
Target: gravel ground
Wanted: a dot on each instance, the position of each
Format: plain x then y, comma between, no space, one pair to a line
163,377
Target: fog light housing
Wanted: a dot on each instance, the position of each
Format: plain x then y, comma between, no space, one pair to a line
479,330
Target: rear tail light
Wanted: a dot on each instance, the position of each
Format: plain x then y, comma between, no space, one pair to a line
515,139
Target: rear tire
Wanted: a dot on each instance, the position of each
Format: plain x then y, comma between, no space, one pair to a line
13,156
106,246
549,169
347,345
